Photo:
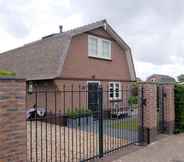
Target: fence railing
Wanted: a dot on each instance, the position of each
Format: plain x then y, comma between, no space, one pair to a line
79,123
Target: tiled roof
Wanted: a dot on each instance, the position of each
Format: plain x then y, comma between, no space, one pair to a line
44,59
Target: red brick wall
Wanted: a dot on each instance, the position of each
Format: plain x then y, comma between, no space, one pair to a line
79,65
150,109
107,104
169,108
12,120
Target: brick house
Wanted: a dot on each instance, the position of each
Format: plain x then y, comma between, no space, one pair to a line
89,55
160,78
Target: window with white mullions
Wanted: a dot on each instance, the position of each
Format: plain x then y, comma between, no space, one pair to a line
115,91
99,47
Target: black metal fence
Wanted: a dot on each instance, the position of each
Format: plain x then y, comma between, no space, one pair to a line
83,122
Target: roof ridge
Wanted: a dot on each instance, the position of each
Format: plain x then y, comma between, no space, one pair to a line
83,26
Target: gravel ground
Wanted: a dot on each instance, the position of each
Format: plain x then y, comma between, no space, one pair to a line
52,143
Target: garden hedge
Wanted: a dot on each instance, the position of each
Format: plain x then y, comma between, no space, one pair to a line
179,108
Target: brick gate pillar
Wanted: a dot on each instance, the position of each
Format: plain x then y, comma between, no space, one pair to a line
169,108
149,111
12,120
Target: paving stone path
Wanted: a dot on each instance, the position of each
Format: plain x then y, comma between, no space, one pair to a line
167,149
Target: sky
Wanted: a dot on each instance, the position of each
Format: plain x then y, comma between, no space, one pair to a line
152,28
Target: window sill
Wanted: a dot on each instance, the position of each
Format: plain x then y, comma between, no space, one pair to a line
100,58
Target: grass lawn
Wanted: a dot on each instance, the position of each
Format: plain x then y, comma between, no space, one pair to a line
131,123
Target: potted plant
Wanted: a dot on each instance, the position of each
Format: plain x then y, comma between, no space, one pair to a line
72,118
79,117
86,116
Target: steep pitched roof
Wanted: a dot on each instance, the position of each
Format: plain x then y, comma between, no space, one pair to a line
44,59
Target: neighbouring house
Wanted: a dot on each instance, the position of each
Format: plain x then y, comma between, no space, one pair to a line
160,78
89,55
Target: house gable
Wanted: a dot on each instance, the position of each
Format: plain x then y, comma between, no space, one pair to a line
79,65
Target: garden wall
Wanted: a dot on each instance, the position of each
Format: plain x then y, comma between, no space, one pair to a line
12,120
150,110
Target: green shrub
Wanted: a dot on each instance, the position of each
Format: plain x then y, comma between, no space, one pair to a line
134,89
132,100
179,108
5,73
78,112
72,114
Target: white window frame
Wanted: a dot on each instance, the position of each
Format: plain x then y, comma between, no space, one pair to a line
99,48
94,81
89,52
114,91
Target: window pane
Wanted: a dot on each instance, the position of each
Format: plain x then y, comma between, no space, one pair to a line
111,94
111,85
117,94
117,90
93,46
111,90
105,49
117,85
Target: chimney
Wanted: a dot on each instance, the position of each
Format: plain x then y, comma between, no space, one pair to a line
61,28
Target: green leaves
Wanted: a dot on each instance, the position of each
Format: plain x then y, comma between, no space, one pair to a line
179,108
78,113
132,100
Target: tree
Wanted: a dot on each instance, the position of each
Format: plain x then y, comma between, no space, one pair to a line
181,78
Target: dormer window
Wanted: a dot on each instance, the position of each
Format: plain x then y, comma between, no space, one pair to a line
98,47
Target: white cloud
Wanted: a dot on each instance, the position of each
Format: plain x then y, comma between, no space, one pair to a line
153,28
25,21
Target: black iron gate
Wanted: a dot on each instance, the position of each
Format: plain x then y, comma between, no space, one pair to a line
62,128
160,109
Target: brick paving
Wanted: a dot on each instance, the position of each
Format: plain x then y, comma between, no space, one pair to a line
167,149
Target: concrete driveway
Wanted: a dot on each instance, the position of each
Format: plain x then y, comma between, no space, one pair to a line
167,149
